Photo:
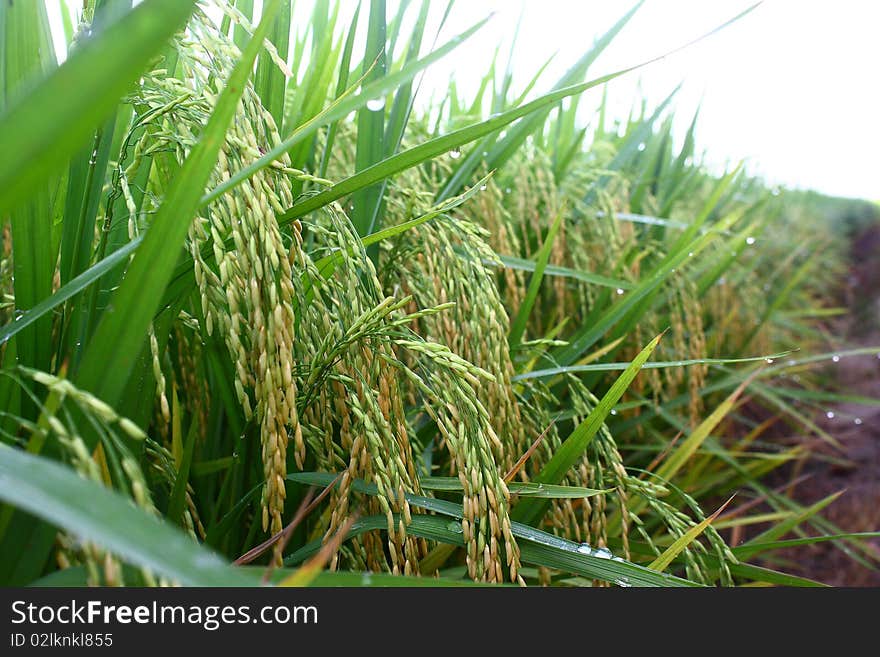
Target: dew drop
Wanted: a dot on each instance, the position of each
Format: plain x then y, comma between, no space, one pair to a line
769,360
624,583
613,411
691,254
584,548
858,420
830,415
455,527
455,153
483,188
602,553
750,240
376,104
836,359
620,290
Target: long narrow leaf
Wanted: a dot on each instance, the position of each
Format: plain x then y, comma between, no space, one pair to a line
60,496
37,133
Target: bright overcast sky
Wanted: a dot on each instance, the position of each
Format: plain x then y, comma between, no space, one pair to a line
792,88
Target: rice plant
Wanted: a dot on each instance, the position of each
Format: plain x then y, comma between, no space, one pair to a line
267,318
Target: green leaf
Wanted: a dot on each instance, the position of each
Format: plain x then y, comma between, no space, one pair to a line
370,147
796,520
327,264
60,496
269,80
659,364
530,511
536,546
522,489
751,549
634,303
512,262
662,562
340,108
678,457
434,147
71,289
27,56
38,133
502,151
177,502
518,326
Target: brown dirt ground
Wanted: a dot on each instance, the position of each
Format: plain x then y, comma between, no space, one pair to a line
858,509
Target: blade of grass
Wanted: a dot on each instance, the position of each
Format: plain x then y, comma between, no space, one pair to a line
28,56
60,496
340,108
178,495
518,326
370,145
660,364
751,550
432,148
522,264
662,562
537,547
501,151
38,133
688,447
517,488
530,511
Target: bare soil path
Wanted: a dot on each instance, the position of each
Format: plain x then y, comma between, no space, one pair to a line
857,427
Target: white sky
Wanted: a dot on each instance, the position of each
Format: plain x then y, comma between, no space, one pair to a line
792,88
